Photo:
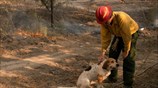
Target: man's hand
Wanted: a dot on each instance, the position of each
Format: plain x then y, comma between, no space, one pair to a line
124,54
101,57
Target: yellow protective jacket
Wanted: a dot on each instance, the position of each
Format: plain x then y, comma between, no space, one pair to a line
122,26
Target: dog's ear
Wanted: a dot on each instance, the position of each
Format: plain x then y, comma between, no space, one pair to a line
106,64
88,68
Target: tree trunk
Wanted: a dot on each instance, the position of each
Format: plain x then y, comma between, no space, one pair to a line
52,17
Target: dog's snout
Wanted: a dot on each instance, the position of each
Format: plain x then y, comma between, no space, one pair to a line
117,65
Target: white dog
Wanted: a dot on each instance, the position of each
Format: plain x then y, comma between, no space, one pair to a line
96,74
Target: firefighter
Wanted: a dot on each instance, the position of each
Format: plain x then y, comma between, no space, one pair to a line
125,31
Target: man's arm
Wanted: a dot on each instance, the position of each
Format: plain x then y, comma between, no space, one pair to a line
105,40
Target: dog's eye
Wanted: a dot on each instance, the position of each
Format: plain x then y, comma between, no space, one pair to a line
112,61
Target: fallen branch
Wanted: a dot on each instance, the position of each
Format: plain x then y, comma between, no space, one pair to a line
144,61
139,74
146,70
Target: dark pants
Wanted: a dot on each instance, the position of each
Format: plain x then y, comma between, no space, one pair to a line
128,62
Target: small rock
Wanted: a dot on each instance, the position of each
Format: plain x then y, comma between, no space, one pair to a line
87,43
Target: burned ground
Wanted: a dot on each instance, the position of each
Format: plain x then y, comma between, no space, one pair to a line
29,59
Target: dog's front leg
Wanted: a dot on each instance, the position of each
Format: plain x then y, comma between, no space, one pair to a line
100,81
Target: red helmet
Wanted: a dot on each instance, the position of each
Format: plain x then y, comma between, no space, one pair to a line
103,14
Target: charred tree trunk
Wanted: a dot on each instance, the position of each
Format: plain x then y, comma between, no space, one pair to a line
46,3
52,16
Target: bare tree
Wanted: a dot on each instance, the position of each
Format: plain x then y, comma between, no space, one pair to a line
47,4
52,10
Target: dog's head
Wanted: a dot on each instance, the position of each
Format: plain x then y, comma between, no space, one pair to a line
110,64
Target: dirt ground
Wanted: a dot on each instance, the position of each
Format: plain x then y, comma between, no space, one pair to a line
30,59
